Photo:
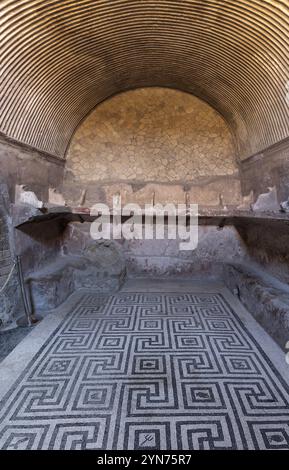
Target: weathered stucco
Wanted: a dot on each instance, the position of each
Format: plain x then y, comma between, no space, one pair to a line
269,168
20,164
164,258
151,134
10,297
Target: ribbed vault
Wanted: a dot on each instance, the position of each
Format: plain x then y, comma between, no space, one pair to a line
59,59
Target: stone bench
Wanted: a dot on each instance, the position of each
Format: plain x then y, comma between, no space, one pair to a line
265,298
50,286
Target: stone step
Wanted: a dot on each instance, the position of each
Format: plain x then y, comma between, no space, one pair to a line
262,297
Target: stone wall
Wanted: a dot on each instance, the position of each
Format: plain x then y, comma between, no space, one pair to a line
20,164
270,168
267,246
164,258
204,192
161,257
36,251
153,136
80,263
10,294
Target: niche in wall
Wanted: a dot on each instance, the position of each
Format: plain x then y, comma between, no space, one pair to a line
154,136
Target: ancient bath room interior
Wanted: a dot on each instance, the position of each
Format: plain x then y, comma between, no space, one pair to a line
144,225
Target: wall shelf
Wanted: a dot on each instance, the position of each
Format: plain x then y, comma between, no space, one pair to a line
56,221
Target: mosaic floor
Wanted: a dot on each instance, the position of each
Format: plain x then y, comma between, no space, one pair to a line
147,371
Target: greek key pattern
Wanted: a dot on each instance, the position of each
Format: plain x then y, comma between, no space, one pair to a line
148,371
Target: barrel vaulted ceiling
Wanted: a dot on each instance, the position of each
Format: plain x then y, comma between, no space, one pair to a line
59,59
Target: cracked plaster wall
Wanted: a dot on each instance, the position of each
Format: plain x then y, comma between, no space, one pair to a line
153,136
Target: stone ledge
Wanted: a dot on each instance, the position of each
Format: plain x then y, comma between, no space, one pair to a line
34,225
265,298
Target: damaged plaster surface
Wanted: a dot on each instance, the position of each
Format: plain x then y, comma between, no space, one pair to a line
23,165
151,134
10,296
77,262
153,143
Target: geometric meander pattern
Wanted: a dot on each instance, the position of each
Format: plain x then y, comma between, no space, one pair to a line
148,371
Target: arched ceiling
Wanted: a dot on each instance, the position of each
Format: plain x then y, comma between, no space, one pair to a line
59,59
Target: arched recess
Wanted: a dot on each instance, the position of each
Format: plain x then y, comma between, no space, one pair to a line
154,141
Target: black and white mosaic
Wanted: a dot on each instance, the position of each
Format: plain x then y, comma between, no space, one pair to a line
148,371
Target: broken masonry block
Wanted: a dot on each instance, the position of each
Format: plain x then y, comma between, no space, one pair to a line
247,201
267,201
24,196
284,206
55,197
